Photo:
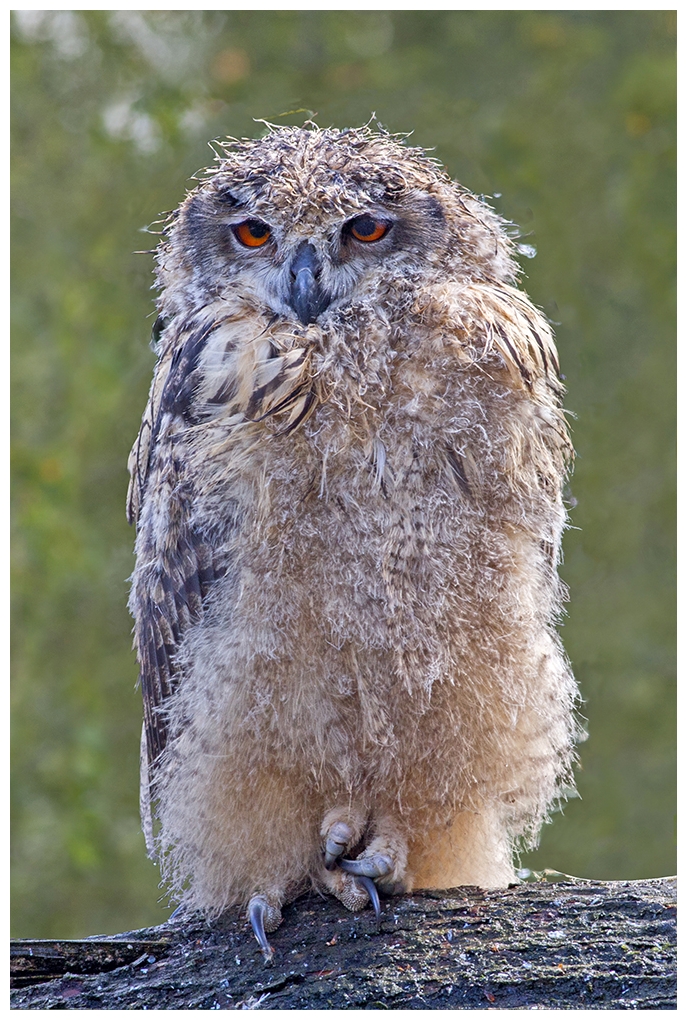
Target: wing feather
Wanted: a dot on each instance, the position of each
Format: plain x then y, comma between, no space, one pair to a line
519,332
176,562
501,318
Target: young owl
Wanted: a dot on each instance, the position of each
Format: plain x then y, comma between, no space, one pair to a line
347,490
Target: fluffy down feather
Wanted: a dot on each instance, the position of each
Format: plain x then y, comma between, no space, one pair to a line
348,531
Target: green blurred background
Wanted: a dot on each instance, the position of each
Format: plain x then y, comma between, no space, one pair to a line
567,120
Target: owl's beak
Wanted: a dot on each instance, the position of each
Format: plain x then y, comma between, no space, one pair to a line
307,298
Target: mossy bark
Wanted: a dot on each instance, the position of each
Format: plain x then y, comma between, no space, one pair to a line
563,944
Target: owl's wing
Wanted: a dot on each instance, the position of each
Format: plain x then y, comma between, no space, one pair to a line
171,392
139,458
518,331
496,325
175,562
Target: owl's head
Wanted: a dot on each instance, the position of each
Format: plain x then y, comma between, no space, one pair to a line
304,221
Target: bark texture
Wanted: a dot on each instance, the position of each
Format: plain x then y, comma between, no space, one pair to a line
557,942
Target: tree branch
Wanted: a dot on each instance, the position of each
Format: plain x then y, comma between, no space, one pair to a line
566,943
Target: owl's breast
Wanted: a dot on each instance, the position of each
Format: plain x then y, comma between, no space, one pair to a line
383,496
367,548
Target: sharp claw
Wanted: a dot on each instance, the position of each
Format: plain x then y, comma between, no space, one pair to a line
331,854
368,867
338,839
371,890
257,910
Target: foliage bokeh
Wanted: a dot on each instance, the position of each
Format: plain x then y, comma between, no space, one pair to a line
566,119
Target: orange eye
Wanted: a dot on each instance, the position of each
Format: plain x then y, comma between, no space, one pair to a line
252,233
367,228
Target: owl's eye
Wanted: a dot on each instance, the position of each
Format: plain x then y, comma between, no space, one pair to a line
252,233
367,228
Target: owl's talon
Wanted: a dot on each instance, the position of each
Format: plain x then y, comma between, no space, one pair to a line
371,889
258,912
376,866
338,838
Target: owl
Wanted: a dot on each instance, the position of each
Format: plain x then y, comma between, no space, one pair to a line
347,490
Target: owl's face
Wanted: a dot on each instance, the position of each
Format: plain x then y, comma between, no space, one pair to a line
302,268
304,222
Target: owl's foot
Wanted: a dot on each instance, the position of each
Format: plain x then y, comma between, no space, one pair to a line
365,870
352,891
371,889
264,916
375,866
339,838
341,831
384,861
